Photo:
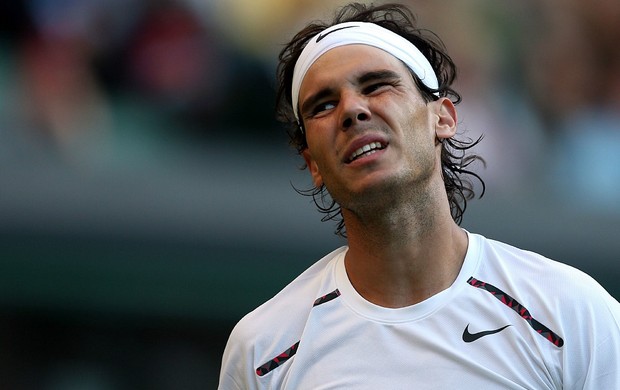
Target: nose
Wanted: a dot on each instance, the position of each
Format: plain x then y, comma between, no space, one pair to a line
354,110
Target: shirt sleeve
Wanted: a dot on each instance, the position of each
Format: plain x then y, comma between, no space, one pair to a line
236,371
595,363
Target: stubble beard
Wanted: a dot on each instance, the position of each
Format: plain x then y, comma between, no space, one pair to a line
404,203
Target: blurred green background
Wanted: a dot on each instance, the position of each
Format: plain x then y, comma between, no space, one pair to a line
147,198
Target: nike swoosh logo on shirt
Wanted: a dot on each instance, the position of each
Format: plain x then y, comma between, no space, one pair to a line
321,36
469,337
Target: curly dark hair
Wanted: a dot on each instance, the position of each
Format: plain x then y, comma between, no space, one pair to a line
399,19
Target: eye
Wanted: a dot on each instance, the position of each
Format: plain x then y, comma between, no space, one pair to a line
376,87
322,107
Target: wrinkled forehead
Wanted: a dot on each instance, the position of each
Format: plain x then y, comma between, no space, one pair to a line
365,34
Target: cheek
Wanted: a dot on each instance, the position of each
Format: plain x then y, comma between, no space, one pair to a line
409,114
313,168
419,134
315,157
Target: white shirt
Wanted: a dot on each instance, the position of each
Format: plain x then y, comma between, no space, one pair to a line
512,319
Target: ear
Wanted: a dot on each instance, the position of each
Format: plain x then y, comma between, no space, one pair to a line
313,168
445,125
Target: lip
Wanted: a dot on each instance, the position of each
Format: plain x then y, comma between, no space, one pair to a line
360,142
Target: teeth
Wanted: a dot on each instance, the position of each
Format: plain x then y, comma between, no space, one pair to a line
371,147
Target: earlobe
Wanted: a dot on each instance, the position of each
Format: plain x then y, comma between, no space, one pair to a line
313,168
445,127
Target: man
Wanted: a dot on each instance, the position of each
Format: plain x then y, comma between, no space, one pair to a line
413,300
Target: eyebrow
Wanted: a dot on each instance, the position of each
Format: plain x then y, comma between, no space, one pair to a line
378,75
362,79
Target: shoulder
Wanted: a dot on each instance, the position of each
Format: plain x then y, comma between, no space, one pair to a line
563,299
293,300
566,293
277,324
509,262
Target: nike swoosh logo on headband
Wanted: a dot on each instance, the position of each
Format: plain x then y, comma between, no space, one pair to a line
321,36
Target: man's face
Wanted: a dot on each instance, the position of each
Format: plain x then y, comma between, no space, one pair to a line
369,131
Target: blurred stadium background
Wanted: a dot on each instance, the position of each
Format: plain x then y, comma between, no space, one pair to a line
147,197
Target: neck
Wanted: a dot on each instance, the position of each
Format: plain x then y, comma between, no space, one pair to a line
406,254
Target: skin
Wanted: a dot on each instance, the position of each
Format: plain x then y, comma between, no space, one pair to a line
403,243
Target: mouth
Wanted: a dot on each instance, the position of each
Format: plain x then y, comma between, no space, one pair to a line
365,150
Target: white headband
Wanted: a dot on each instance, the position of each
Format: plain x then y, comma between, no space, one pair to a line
364,33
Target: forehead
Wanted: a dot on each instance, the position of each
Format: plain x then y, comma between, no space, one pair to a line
349,61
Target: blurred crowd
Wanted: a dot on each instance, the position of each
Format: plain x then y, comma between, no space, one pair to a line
93,79
541,81
573,79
